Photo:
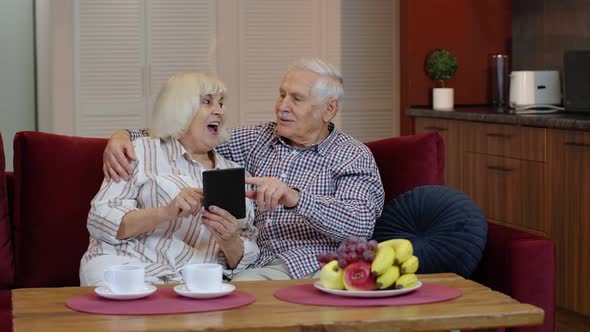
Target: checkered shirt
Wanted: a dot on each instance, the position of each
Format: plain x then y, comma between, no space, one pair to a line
340,192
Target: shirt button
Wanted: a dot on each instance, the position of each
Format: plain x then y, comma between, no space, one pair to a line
294,152
284,175
268,220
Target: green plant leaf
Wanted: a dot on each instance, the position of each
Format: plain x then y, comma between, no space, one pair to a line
441,65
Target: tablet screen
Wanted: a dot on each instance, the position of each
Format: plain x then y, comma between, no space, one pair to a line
226,188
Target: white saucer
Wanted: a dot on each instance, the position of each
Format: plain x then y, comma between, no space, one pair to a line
184,291
107,293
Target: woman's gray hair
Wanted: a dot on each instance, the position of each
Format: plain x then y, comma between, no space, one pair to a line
179,101
330,83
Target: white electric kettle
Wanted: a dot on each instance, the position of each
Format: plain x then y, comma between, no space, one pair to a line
534,88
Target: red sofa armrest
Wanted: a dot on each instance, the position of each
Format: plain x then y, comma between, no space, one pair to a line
406,162
521,265
5,310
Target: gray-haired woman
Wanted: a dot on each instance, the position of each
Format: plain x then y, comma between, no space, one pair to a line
155,218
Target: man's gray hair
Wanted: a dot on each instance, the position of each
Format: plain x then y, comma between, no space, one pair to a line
330,83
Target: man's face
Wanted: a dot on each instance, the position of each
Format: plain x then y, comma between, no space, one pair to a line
299,118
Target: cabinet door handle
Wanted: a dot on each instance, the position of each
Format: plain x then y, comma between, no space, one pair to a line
500,169
578,145
436,128
498,135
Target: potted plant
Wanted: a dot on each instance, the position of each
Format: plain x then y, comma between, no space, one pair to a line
441,65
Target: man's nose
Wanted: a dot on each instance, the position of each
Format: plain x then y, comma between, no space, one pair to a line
284,103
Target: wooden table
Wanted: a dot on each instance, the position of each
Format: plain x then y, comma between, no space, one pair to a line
43,309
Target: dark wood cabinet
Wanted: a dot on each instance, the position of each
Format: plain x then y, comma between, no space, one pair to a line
451,132
569,215
532,179
501,167
510,191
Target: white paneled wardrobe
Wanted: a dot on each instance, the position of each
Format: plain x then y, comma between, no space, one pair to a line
100,63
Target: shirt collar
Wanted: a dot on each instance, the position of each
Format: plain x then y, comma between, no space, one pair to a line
178,151
320,147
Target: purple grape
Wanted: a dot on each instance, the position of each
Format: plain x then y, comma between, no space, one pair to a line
362,242
342,263
321,257
372,245
360,249
368,256
330,256
352,257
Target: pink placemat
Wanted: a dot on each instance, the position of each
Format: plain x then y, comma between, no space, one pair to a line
308,294
163,301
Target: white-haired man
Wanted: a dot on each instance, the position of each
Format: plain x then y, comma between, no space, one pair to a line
316,186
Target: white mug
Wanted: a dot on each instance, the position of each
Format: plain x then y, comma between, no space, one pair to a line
123,279
206,277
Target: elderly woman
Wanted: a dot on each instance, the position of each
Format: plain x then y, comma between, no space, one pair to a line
155,218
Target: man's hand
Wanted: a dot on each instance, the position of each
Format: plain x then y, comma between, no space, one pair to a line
272,192
115,156
188,201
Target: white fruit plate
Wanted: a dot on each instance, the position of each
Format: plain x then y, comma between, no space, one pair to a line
371,293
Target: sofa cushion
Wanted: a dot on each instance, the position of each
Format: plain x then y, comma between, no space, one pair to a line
408,161
56,177
6,267
445,226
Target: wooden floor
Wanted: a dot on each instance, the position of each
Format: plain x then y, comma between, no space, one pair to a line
568,321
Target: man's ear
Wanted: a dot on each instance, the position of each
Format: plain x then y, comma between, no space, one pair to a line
332,107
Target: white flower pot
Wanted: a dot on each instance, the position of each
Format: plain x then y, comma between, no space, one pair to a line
442,99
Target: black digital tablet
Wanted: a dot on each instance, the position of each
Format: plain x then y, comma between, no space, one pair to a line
226,188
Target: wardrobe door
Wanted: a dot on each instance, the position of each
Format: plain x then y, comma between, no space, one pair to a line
180,37
109,69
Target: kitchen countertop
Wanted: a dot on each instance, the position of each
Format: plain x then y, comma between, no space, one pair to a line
561,120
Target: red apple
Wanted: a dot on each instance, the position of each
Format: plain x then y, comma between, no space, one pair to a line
358,277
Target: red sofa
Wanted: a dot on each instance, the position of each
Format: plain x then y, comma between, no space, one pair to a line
55,177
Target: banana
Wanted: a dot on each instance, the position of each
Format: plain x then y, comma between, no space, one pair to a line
384,258
388,277
406,281
403,249
410,265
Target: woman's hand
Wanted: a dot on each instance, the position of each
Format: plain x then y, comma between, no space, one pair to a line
226,230
188,201
116,156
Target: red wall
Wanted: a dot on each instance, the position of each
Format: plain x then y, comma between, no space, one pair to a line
470,29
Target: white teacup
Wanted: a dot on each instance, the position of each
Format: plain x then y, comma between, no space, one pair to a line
206,277
123,279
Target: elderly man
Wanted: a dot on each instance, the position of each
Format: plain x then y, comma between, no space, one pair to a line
316,186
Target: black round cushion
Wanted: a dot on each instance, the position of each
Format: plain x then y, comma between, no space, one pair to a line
447,229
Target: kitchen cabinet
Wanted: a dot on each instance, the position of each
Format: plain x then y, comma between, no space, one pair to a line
504,173
450,130
569,215
501,167
509,191
532,178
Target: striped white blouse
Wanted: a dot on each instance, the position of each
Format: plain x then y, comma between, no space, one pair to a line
163,168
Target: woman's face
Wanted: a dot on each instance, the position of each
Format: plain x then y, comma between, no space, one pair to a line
206,125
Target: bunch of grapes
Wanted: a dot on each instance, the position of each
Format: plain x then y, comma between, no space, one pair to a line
352,250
